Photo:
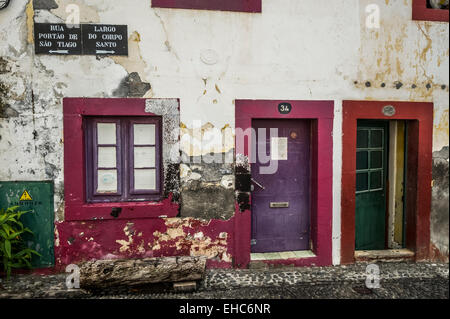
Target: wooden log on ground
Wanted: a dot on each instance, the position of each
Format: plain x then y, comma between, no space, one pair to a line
100,274
185,286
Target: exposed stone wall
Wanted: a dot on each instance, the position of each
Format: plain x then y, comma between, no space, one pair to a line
207,189
44,4
169,110
440,206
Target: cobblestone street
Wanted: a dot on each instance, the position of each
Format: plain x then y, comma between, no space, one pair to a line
397,281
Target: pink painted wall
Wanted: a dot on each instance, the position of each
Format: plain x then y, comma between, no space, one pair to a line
78,241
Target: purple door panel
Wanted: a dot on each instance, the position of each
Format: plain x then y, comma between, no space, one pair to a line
286,225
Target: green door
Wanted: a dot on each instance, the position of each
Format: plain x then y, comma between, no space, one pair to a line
371,175
37,197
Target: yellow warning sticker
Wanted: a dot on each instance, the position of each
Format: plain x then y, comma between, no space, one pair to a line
25,196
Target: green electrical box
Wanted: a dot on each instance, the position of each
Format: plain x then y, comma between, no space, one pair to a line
37,197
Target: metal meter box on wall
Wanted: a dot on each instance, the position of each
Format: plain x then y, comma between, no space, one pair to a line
37,197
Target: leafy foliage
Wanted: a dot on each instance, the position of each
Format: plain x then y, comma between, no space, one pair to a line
13,251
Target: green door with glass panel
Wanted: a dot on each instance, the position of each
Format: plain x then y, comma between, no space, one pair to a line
371,174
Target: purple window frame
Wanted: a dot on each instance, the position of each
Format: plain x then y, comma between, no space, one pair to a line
124,160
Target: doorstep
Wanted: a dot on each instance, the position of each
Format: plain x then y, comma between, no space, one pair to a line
389,255
282,255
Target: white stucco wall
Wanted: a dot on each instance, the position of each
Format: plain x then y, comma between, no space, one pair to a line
299,50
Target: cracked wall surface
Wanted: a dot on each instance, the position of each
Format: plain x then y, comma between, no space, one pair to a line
207,59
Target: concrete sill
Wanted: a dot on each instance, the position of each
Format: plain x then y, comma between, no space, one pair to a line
283,255
390,255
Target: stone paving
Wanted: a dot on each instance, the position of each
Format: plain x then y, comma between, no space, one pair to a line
397,280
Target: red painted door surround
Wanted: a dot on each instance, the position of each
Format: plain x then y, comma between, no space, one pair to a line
320,114
421,12
419,164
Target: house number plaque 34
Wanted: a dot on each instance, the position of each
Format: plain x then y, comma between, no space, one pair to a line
284,108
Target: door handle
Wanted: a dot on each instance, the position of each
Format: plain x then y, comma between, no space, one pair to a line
258,184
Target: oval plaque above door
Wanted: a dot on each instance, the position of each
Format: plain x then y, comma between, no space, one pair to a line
284,108
389,110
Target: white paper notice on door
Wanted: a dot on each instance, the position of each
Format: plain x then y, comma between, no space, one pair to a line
279,148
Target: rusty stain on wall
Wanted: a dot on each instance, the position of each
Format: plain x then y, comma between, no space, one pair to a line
400,64
166,34
442,129
30,23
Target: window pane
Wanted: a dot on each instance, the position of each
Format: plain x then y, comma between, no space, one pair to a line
144,157
106,157
376,180
362,160
362,182
376,159
362,139
144,179
106,133
144,134
376,138
107,181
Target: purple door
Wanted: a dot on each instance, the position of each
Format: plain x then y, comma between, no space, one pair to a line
281,200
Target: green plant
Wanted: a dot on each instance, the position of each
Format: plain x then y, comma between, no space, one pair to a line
13,251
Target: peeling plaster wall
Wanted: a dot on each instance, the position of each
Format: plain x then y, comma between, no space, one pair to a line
79,241
297,50
440,209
